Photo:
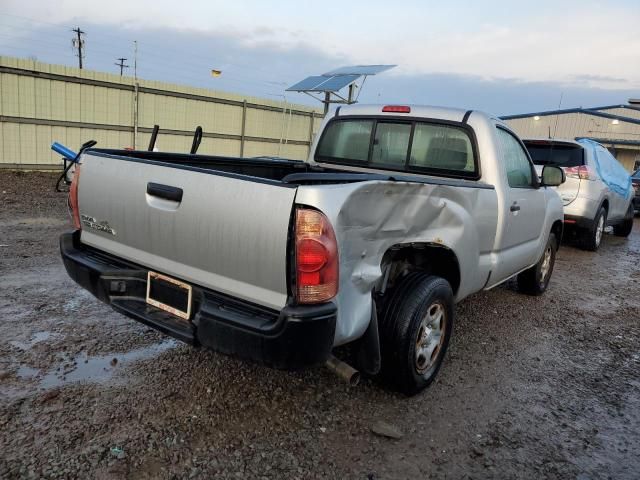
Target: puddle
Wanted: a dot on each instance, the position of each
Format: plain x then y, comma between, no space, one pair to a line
35,338
100,368
27,373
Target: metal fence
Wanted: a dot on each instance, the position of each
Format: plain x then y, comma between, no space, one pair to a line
41,103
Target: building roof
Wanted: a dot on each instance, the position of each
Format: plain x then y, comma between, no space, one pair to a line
596,111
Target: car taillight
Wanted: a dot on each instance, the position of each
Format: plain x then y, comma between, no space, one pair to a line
73,198
316,257
581,171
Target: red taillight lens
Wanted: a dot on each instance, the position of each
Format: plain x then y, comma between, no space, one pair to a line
73,198
316,258
581,171
396,109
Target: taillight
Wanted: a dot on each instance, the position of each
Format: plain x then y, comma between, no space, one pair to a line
316,257
581,171
396,109
73,198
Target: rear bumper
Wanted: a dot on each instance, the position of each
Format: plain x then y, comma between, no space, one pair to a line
575,221
296,337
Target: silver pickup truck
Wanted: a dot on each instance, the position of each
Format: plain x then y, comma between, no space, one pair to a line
399,213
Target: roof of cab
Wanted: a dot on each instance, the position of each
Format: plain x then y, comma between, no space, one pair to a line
423,111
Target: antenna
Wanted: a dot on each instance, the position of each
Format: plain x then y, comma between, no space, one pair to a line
332,82
555,128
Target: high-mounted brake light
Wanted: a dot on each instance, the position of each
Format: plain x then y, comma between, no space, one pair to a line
582,172
396,109
316,257
73,198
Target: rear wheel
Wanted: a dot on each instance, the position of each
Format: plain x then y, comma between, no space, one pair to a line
415,330
535,280
624,229
592,237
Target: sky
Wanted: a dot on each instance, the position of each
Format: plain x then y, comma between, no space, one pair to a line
504,57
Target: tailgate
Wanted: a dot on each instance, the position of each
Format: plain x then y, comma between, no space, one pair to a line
227,233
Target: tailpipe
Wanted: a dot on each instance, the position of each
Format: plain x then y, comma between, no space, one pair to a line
343,370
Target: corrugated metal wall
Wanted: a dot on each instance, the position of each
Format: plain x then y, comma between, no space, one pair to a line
41,103
623,112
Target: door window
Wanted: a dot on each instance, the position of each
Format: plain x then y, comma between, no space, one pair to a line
515,161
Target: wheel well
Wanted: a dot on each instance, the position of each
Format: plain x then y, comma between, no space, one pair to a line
557,228
400,260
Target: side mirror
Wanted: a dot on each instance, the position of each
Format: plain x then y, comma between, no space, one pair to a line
552,176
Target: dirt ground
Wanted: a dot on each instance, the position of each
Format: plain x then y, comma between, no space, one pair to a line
543,387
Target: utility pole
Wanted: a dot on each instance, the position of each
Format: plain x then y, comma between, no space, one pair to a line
121,64
79,44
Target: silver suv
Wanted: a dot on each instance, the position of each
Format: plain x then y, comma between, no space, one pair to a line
597,192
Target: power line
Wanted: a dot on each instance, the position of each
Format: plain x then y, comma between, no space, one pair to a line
78,43
121,64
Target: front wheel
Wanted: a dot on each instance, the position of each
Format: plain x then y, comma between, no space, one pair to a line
535,280
415,330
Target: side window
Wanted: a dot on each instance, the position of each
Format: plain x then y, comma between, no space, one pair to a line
514,160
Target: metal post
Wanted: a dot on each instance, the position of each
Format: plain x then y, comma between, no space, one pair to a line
135,115
350,97
244,124
312,117
327,101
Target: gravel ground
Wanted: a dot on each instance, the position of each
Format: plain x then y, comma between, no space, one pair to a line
532,387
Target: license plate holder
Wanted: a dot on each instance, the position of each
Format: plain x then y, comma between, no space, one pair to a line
169,294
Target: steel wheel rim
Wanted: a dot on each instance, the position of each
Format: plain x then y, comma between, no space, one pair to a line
546,265
430,337
599,229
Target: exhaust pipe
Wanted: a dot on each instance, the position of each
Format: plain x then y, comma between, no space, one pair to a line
343,370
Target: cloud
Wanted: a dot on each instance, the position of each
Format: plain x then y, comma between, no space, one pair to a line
255,60
540,41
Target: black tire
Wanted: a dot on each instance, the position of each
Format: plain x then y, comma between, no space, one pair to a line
624,229
590,239
535,280
416,297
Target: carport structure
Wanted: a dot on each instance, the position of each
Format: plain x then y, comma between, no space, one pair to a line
615,126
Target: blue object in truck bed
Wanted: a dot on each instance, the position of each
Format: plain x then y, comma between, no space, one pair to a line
64,151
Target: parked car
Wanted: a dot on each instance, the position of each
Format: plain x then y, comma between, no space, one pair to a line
597,192
635,181
399,212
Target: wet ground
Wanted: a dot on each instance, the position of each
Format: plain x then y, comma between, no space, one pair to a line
532,387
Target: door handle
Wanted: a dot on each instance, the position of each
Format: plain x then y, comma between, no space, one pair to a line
515,207
164,191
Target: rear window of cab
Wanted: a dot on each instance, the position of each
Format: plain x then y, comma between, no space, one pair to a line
412,146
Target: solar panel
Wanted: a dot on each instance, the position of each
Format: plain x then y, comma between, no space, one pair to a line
323,83
359,70
307,84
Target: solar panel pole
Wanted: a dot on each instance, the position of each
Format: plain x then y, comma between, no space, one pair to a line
327,101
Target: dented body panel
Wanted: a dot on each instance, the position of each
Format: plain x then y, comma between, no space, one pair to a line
372,217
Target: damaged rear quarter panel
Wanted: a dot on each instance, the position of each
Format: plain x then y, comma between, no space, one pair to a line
371,217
